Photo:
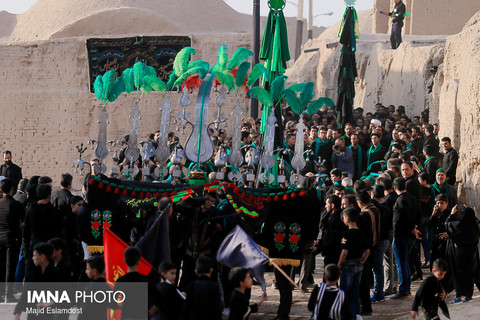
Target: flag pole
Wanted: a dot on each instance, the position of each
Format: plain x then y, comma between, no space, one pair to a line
286,276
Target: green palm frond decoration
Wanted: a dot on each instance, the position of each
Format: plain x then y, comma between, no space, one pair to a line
145,78
258,71
128,80
265,97
242,73
316,105
182,69
261,94
298,97
240,55
222,70
107,89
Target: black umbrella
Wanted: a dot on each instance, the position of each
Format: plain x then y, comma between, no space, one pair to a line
347,67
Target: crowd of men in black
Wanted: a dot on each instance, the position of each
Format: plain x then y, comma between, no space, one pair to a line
389,193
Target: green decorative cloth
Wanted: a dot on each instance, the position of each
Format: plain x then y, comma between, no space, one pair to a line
347,67
373,150
274,47
443,189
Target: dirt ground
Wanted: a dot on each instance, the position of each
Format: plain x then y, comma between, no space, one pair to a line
387,310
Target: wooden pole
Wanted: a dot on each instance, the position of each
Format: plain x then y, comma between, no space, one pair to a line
256,51
286,276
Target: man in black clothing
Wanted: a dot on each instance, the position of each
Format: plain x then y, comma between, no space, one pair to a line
133,298
203,295
21,194
411,179
332,228
43,271
10,170
415,189
397,16
369,223
376,153
42,222
390,194
430,165
385,238
61,198
391,276
450,161
11,215
416,143
404,233
430,140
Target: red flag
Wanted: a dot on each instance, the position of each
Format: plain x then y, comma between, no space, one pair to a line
115,265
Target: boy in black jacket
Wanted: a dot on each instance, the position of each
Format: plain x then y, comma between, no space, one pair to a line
134,296
239,304
431,294
169,300
203,295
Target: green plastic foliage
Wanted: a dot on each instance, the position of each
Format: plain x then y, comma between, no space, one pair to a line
202,72
144,78
242,73
307,93
198,64
107,89
108,82
261,94
293,101
240,55
222,69
128,80
318,104
181,60
223,76
137,74
182,69
98,88
257,71
154,83
298,96
117,90
277,87
223,56
171,80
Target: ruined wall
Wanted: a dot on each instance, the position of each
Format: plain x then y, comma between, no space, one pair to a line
428,17
395,77
47,108
400,76
459,105
441,16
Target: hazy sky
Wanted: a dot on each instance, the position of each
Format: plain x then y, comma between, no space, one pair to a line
244,6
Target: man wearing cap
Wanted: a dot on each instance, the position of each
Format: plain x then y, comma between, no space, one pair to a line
375,123
441,186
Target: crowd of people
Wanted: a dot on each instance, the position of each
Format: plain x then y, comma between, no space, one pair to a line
387,183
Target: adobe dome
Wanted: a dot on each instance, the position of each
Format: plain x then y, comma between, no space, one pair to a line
49,19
